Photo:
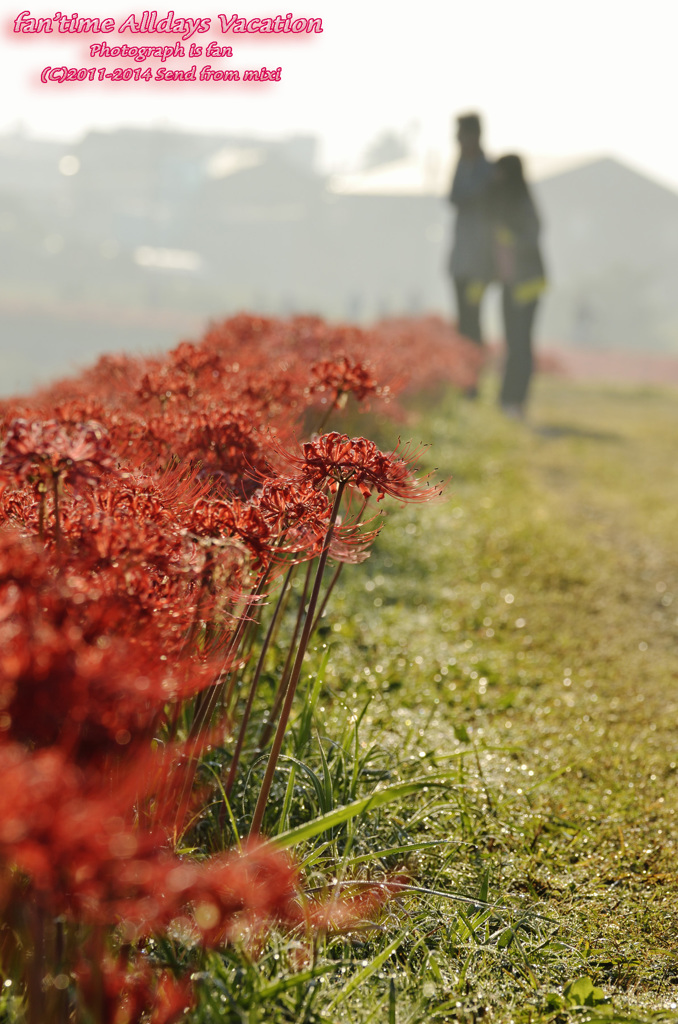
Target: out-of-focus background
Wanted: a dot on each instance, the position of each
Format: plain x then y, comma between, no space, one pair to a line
131,214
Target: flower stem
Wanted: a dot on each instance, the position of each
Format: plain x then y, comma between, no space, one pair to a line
57,525
207,702
296,671
253,686
328,594
282,688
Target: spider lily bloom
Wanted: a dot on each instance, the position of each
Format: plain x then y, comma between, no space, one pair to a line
198,361
239,520
134,545
153,510
46,449
19,508
228,444
130,991
294,509
46,455
236,546
352,540
342,377
76,843
166,383
337,458
342,912
212,518
76,411
299,514
69,672
240,892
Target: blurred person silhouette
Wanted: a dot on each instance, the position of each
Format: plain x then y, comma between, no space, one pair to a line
520,270
471,261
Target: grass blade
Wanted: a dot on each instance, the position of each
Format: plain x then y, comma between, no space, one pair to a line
368,971
342,814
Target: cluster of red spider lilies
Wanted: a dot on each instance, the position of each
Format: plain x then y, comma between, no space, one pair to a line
153,512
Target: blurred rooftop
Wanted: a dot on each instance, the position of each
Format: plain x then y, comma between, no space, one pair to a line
174,228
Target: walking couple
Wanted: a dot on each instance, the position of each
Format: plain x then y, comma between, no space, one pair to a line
496,239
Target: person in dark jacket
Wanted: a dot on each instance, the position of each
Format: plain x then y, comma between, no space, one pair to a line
471,260
520,269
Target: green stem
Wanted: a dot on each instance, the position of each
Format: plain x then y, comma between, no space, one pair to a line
57,525
328,594
41,512
253,687
296,671
207,701
282,688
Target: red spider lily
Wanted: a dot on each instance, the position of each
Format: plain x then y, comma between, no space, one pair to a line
98,701
172,998
213,518
240,892
289,504
80,410
165,385
341,459
341,912
46,449
197,360
300,513
154,576
287,515
71,836
118,991
69,833
165,380
239,520
45,454
20,508
128,519
67,673
133,535
226,443
342,377
352,540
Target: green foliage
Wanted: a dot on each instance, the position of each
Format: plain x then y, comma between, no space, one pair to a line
498,636
488,715
542,865
480,758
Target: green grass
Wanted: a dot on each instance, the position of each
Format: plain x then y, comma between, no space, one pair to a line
508,658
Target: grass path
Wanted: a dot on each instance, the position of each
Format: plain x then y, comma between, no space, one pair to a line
538,608
506,659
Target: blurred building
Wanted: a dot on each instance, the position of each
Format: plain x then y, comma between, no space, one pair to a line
611,237
133,239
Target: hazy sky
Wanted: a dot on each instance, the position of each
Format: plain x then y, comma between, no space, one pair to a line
550,77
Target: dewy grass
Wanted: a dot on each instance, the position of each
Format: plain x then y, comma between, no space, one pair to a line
478,777
528,651
126,632
532,623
